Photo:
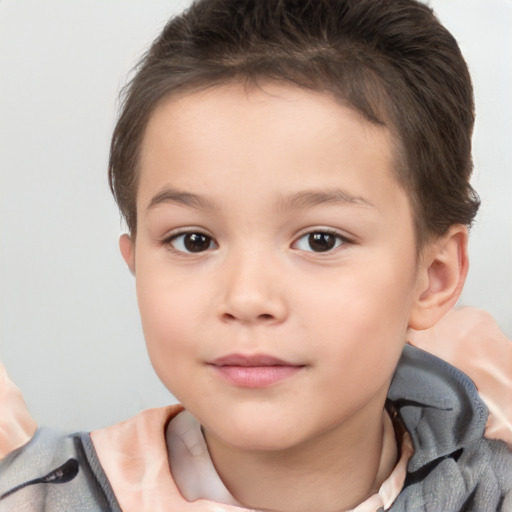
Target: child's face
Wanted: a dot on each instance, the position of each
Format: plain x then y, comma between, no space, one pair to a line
272,233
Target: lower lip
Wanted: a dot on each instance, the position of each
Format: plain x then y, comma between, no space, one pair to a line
256,376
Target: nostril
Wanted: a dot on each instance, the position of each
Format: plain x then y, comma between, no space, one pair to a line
264,317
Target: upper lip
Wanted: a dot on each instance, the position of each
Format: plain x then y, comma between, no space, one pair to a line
250,360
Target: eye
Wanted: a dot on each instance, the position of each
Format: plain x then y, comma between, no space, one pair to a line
191,242
319,241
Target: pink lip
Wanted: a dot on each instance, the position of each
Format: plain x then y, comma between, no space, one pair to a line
254,371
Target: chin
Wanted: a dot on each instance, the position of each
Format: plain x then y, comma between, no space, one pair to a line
259,435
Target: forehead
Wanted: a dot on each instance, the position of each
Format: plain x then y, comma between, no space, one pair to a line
277,139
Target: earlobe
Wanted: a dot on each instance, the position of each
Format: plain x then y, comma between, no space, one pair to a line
127,251
443,269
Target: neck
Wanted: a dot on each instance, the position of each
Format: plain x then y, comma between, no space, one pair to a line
334,472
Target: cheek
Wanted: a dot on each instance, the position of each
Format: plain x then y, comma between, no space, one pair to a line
362,318
168,317
364,297
168,300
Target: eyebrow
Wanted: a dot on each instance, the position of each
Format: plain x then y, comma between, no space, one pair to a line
302,199
310,198
171,195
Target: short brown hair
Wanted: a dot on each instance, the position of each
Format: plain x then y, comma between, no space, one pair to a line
391,60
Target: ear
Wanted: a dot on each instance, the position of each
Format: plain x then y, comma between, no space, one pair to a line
128,251
442,272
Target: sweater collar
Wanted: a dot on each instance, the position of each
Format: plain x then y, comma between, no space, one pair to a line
438,404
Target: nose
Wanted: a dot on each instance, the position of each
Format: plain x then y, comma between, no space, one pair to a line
252,291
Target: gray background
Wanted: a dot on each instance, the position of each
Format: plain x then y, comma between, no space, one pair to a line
69,328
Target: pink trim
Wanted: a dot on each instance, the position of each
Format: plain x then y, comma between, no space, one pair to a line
471,340
16,425
134,457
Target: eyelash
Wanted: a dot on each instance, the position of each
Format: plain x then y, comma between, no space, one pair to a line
339,240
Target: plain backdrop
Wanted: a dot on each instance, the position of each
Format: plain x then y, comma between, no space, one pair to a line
69,329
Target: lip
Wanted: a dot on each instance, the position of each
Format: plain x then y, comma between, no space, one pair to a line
254,371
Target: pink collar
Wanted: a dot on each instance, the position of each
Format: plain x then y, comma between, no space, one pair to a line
134,455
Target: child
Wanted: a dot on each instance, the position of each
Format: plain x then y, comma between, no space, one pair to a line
295,179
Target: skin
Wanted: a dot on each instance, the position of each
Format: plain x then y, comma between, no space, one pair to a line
255,171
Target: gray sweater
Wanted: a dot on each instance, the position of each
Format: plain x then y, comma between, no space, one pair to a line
454,468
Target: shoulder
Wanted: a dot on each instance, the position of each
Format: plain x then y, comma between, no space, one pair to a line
454,467
471,340
476,478
44,469
54,471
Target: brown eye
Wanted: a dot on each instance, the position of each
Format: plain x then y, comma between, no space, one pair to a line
319,241
192,242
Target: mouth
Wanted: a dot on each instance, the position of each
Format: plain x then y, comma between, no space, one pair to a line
254,371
